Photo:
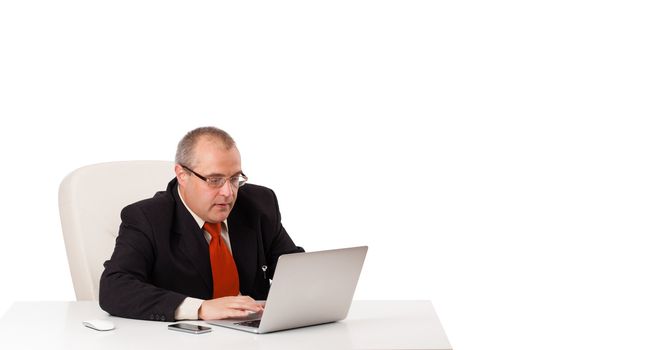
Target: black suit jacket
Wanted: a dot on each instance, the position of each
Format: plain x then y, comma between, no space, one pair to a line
161,255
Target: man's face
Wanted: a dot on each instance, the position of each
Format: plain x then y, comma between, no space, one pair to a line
211,160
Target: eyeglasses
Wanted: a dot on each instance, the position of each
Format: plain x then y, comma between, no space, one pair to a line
236,181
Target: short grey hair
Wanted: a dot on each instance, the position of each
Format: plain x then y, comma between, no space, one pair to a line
185,147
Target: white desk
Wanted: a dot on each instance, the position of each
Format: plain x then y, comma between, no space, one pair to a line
370,325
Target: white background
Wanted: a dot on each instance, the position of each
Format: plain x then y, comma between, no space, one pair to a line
506,160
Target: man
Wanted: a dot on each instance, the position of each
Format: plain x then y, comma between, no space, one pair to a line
205,248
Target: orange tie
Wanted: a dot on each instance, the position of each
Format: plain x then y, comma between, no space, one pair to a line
224,272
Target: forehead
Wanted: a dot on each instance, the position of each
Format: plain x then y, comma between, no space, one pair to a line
212,158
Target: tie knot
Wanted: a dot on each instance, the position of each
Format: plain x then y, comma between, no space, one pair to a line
214,230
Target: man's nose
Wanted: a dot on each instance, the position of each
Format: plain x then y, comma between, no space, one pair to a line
227,189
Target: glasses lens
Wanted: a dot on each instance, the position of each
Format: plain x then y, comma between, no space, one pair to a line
216,181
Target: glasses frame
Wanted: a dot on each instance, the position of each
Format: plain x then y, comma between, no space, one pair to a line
209,180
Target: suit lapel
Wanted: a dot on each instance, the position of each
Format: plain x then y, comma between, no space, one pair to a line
244,244
192,241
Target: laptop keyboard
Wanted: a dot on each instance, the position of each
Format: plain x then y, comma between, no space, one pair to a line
254,323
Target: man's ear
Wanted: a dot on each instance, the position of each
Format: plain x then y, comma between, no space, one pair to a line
181,174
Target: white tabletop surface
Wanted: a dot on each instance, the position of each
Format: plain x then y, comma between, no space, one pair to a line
369,325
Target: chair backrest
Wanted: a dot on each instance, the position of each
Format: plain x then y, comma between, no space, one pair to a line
90,200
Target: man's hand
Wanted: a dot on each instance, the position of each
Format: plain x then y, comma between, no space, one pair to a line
228,307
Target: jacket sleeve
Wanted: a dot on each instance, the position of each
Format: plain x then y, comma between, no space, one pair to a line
125,288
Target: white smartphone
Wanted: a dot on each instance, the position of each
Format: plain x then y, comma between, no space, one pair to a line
189,328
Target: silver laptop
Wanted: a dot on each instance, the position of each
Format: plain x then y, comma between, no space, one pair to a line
307,289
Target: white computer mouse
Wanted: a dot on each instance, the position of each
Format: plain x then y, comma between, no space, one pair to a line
99,325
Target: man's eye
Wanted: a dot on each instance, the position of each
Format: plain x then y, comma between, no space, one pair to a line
215,180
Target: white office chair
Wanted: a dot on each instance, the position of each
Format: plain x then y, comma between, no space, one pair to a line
90,200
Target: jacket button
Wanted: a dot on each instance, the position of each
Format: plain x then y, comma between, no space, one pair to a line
162,317
151,317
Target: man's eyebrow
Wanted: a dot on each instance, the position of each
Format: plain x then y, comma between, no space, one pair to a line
240,172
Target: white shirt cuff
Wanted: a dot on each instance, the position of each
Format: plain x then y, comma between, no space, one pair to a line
188,310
